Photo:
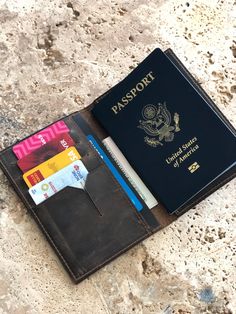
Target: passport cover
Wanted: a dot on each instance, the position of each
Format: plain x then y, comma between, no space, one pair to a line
88,229
174,138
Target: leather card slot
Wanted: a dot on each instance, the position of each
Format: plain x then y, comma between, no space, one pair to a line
78,136
93,225
89,156
87,227
8,160
91,160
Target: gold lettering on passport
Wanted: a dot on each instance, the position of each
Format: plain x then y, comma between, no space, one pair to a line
140,86
158,125
183,153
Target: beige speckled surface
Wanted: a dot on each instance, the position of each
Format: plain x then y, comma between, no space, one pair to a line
56,57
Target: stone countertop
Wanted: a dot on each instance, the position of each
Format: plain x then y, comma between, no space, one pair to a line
57,57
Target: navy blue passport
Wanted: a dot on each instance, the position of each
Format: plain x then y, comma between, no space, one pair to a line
179,144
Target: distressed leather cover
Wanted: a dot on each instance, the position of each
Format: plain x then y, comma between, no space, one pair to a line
88,228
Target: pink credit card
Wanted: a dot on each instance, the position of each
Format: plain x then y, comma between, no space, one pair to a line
45,152
39,139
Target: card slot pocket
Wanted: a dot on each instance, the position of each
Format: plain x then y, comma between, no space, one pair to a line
78,136
91,162
86,227
88,154
90,227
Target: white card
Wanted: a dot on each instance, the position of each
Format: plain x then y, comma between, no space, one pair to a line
129,172
73,175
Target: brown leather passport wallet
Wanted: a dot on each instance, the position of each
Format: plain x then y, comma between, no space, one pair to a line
89,227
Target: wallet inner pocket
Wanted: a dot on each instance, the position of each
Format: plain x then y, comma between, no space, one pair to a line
93,225
86,227
8,160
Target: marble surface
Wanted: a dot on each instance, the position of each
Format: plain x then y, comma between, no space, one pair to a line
56,57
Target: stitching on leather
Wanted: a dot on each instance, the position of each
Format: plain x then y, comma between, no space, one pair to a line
128,200
49,237
106,260
140,218
123,193
55,246
126,248
41,224
35,215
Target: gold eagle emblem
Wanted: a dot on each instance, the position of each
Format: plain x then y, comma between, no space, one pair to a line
156,123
